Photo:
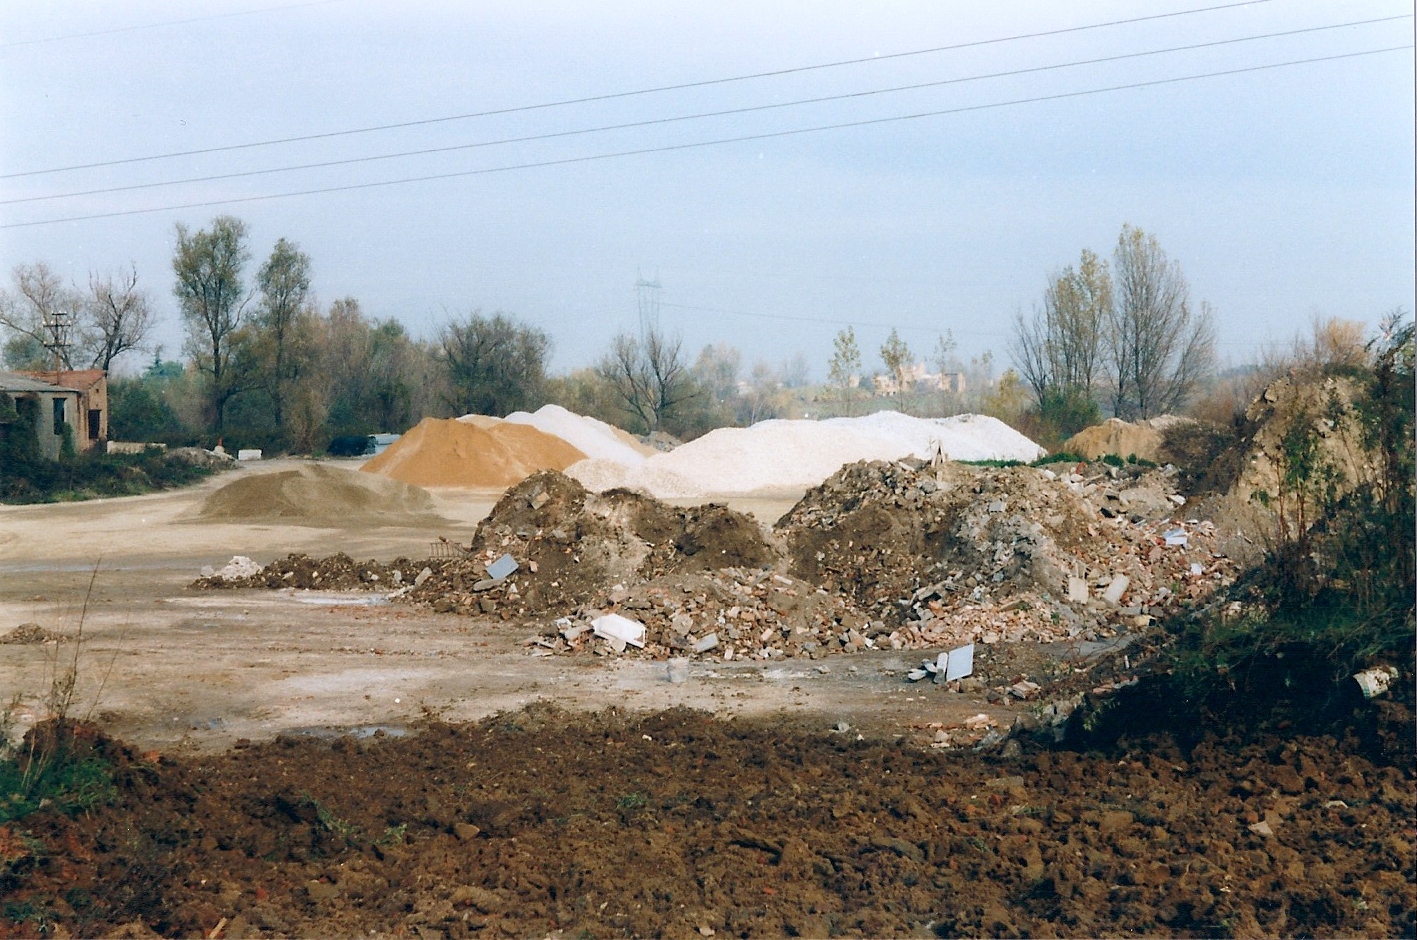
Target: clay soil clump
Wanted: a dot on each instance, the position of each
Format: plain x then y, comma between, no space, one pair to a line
448,452
673,824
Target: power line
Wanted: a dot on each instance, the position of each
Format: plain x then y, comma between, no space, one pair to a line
852,323
669,148
325,164
195,19
704,83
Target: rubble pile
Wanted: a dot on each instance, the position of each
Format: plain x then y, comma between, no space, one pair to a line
338,572
571,545
731,613
883,555
951,554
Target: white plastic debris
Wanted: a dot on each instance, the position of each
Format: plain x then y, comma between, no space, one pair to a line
961,663
249,453
1197,568
502,567
1175,537
1375,681
614,627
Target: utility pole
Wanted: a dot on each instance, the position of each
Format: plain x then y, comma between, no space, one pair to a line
56,327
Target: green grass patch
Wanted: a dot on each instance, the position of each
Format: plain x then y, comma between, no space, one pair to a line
69,786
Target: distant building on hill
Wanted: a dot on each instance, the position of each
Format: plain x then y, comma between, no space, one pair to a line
918,378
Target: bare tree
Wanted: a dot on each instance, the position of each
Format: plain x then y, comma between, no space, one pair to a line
1159,348
42,314
208,265
649,374
118,317
762,400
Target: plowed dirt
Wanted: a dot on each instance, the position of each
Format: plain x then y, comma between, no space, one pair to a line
675,824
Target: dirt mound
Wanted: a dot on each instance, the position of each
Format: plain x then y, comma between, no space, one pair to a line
1303,442
1290,408
1117,437
963,553
450,452
572,545
540,823
318,495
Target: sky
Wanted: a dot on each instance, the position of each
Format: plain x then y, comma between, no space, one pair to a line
1283,191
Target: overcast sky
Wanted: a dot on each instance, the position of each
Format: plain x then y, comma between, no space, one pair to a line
1282,192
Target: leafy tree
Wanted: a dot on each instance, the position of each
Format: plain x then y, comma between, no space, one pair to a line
716,369
284,330
209,266
1159,348
145,408
845,364
897,358
24,352
495,365
1059,351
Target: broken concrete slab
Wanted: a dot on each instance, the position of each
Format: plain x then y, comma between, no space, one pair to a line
614,627
502,567
1116,589
960,663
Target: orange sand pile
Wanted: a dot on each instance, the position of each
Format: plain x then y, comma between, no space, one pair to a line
446,452
1115,436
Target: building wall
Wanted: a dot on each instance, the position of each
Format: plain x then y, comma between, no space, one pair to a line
51,445
95,399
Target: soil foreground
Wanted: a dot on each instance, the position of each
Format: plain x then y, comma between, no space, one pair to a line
324,762
676,824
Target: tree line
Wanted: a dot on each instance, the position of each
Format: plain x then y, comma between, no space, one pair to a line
265,364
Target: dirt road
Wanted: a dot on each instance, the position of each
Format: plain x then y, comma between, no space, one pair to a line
169,667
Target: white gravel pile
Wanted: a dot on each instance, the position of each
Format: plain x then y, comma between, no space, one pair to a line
962,437
594,438
784,457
